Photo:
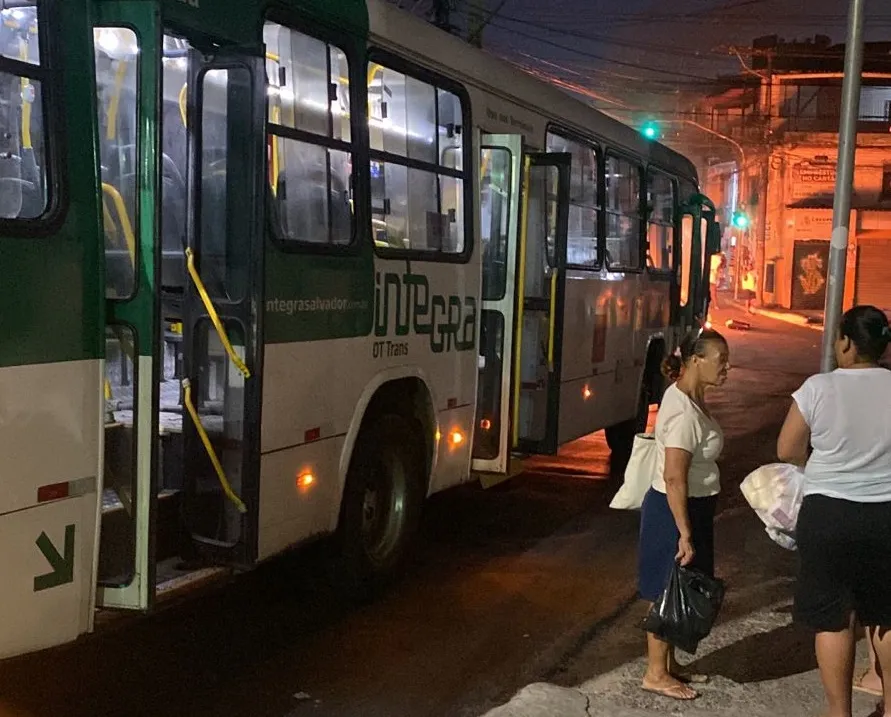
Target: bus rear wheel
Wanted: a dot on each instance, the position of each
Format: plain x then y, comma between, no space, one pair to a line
382,503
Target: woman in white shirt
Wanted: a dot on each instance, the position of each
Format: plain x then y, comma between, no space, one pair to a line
844,526
677,515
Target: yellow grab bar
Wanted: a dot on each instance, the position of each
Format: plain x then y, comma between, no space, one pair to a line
26,105
205,439
124,216
214,317
112,130
182,103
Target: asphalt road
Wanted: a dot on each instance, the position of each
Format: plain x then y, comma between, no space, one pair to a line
521,582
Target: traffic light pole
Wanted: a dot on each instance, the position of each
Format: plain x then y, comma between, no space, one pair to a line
844,180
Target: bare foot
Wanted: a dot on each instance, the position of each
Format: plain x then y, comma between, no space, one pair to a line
868,682
668,686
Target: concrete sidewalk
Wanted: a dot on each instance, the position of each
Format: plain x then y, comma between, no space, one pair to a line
618,693
761,665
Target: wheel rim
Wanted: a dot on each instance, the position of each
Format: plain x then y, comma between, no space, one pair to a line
384,506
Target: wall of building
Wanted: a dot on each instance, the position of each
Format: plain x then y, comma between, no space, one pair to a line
801,186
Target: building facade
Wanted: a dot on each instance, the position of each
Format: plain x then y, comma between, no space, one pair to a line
779,126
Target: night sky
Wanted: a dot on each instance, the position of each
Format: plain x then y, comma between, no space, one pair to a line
617,46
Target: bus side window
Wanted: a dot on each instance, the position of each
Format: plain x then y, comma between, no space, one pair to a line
117,59
660,221
582,249
311,159
417,164
24,187
623,220
495,198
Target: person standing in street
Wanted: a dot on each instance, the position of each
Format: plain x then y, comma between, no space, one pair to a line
677,515
749,286
844,525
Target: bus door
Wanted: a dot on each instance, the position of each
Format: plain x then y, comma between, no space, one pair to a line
700,238
127,55
541,284
226,126
501,158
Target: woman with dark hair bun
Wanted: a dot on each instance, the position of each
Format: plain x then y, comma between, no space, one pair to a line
844,525
677,515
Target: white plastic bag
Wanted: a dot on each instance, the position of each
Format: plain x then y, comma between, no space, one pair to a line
639,473
775,492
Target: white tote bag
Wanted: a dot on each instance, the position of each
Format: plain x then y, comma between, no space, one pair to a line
639,473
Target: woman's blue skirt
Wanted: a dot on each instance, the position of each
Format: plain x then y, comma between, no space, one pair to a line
659,541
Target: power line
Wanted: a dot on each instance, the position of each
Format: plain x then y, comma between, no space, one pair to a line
605,59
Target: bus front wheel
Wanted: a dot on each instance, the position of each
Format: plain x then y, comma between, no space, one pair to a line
381,508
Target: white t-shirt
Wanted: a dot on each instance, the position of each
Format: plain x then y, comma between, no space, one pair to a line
680,423
849,414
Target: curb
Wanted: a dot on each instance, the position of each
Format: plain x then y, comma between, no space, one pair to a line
788,317
796,319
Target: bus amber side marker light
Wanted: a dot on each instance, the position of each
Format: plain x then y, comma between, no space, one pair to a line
305,480
456,438
586,392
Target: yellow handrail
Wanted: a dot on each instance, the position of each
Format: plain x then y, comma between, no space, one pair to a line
214,317
26,105
182,103
205,439
275,115
124,215
112,117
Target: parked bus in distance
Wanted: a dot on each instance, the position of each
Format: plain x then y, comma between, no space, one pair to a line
281,270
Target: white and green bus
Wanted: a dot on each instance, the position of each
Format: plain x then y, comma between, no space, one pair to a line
280,269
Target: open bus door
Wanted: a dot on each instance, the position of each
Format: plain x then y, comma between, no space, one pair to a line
125,44
501,168
525,216
226,119
700,239
541,287
182,145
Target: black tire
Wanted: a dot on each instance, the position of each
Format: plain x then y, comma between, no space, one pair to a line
620,438
381,508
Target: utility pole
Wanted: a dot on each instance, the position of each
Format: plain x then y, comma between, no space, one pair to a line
844,180
761,236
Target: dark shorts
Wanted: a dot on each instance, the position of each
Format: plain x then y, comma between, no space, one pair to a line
659,541
845,563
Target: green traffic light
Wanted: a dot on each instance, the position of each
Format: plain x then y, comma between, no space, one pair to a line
740,220
650,130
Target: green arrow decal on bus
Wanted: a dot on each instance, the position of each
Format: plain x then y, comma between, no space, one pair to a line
63,568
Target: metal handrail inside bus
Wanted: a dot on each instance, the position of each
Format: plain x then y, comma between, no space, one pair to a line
124,217
208,446
214,316
187,387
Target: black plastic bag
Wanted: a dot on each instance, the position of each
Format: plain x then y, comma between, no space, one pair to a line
687,610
